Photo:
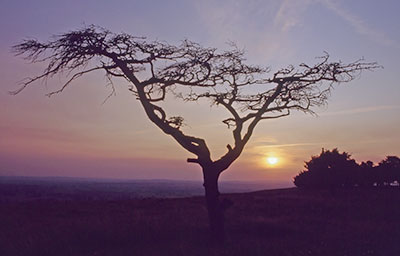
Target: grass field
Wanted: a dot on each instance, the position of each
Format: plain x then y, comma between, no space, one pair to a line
271,222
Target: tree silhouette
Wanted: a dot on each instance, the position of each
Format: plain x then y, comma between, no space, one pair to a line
330,169
389,170
366,174
192,72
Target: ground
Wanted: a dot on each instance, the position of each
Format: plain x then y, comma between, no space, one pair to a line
270,222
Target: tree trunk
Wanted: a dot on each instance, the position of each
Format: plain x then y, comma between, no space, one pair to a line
214,207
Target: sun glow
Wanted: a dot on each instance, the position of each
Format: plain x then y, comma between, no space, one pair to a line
271,160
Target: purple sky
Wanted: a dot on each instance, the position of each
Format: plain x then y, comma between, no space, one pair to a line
74,134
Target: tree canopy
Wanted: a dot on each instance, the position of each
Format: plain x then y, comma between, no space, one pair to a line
189,71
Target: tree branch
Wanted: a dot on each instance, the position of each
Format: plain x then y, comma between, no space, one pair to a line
191,72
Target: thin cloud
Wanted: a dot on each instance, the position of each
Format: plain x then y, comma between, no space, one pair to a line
288,145
361,110
359,25
255,26
290,14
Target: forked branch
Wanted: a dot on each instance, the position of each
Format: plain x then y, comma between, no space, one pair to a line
191,72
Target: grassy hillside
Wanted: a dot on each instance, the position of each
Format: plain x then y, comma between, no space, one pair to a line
272,222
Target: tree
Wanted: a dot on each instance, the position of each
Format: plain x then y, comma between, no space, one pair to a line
333,169
389,170
330,169
192,72
366,174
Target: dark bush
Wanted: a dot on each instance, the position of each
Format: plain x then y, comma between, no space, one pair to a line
329,169
388,171
332,169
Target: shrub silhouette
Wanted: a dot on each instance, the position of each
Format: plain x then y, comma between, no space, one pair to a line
332,169
366,174
388,171
329,169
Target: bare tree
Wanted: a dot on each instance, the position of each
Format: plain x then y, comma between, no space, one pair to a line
192,72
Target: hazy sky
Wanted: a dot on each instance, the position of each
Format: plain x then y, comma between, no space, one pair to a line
74,134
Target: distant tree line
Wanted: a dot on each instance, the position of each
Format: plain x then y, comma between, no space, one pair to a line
332,169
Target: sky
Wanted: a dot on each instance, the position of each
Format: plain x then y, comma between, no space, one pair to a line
74,134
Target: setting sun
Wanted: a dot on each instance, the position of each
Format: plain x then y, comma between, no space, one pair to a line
272,160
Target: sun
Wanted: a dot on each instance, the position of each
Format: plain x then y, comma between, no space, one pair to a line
272,160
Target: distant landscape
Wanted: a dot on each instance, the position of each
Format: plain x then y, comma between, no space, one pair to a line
63,216
66,188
